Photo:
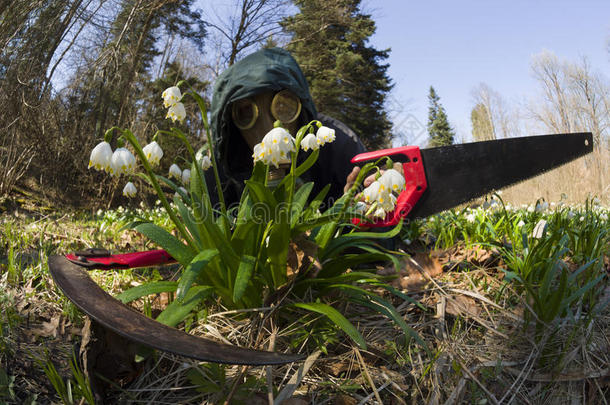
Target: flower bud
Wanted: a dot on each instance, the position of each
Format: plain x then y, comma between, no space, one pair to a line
186,177
129,190
175,172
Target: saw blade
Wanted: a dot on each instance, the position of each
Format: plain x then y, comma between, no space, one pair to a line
457,174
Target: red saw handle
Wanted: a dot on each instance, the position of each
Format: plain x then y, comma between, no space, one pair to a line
415,181
102,259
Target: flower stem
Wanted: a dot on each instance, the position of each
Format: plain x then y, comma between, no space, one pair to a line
153,179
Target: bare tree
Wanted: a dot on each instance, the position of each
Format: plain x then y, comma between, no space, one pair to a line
248,23
574,99
501,120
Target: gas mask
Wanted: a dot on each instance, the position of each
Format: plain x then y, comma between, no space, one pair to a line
254,117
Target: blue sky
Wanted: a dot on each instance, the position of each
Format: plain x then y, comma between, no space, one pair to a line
455,45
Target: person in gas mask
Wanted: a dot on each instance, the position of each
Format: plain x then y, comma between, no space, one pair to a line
252,94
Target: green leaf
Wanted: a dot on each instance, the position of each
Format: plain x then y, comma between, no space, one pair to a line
177,311
192,271
189,221
277,252
146,289
244,273
178,250
261,194
338,319
299,201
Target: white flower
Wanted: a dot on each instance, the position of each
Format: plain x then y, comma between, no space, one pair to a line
387,201
541,207
310,142
129,190
153,153
171,96
206,162
471,217
539,229
174,171
603,217
520,224
379,213
571,214
122,162
372,192
100,156
325,135
274,147
582,219
393,180
186,177
176,112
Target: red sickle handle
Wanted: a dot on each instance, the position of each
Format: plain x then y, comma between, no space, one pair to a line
102,259
415,181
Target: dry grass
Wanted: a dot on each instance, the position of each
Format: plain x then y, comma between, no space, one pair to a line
574,182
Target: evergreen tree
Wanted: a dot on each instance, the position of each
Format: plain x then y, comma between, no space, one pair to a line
440,131
347,78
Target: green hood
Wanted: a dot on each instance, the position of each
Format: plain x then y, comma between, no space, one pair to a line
266,70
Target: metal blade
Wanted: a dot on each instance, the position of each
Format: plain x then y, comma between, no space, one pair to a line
127,322
459,173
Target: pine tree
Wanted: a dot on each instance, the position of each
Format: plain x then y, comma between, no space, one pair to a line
347,78
440,131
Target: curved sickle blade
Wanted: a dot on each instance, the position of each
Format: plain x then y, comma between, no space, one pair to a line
114,315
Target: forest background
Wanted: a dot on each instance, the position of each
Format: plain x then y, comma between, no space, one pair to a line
71,69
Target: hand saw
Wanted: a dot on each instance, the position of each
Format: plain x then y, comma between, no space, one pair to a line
436,179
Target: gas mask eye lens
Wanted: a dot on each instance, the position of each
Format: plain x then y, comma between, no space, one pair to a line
244,113
286,106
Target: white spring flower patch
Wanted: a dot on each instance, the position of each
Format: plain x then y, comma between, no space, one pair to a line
171,96
175,172
129,190
153,153
122,162
101,156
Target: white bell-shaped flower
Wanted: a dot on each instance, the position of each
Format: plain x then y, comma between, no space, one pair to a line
310,142
325,135
101,156
122,162
274,147
171,96
206,162
176,112
393,180
372,192
186,177
181,189
175,172
153,153
129,190
386,200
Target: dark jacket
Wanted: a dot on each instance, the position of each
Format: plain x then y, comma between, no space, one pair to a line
273,70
